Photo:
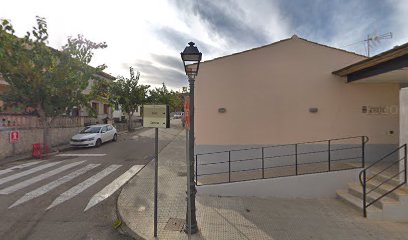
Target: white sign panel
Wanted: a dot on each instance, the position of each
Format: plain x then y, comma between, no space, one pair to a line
155,116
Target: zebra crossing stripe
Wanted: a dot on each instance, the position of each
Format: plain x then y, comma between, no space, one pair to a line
72,192
113,186
38,178
50,186
28,172
19,167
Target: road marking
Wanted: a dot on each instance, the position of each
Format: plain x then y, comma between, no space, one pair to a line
81,155
25,173
19,167
38,178
113,186
72,192
50,186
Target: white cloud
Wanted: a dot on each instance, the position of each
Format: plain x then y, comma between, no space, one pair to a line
399,19
151,34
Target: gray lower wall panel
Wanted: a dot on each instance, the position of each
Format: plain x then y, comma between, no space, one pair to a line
305,186
275,156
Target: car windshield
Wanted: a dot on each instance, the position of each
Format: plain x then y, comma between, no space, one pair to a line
91,130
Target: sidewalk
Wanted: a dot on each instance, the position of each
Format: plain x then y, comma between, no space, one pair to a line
239,217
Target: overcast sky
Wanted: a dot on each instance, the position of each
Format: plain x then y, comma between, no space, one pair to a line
149,35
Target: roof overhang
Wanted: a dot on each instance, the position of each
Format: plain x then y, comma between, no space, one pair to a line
106,75
389,66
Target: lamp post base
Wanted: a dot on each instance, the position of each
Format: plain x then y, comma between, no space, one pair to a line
194,228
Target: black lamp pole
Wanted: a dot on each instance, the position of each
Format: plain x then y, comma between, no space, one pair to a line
191,59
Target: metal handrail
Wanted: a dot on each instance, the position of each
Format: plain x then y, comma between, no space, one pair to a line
296,154
387,155
366,139
363,177
385,169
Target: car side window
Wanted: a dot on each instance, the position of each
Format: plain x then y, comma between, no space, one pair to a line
104,129
109,127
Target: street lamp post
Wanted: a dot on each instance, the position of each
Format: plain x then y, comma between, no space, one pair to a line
191,59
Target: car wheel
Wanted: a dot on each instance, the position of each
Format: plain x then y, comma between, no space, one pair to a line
98,143
115,138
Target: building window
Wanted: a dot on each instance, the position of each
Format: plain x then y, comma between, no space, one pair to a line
95,106
105,108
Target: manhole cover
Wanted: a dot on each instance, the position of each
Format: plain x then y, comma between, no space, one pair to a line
175,224
181,174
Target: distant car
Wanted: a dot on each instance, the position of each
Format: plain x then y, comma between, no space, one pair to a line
178,115
94,136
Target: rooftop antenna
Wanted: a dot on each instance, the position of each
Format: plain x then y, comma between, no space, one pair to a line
374,39
371,41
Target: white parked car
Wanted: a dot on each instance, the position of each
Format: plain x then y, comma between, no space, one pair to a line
178,115
94,135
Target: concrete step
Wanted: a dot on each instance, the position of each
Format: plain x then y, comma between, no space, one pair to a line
398,194
356,190
373,212
383,177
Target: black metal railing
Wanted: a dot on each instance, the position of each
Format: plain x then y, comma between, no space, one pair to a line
280,160
381,175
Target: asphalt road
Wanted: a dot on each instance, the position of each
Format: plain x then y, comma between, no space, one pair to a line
73,197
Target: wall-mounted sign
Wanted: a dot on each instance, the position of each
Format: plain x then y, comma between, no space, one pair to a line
380,110
156,116
14,136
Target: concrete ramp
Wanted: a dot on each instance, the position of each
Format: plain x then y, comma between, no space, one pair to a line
318,185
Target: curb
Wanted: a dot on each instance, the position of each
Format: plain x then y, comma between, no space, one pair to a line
24,157
124,227
127,132
127,230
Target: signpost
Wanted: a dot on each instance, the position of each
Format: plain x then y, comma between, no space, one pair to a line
156,116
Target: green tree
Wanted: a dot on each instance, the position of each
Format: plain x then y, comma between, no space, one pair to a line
125,92
50,81
176,101
159,95
162,95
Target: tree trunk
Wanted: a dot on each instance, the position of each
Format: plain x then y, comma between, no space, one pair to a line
130,115
46,127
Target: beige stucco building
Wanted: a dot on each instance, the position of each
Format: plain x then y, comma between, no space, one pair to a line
285,93
300,119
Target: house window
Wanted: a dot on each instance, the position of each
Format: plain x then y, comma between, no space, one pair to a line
105,108
95,106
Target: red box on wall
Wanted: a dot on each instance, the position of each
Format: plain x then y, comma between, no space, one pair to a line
14,136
